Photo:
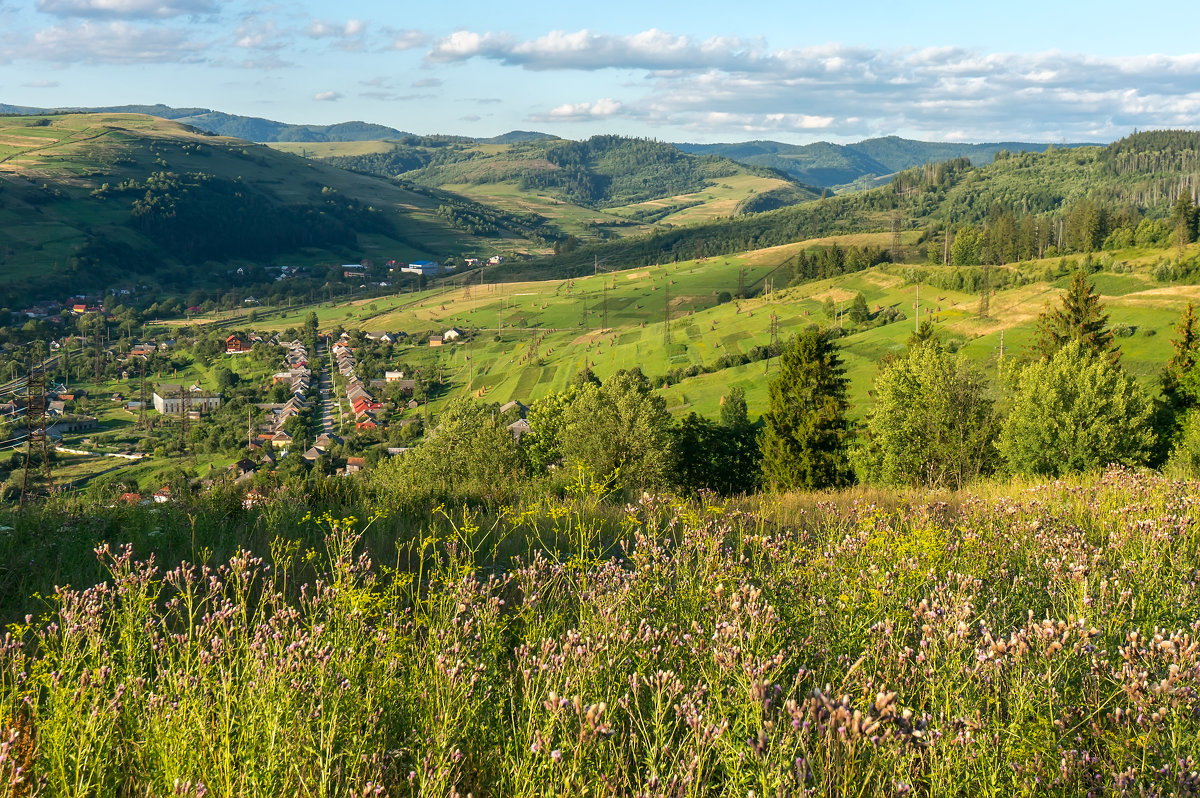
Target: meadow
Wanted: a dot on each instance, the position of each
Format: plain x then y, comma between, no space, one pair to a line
1016,639
548,330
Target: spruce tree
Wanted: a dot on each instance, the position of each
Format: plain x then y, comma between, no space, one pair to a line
1081,317
1179,378
804,441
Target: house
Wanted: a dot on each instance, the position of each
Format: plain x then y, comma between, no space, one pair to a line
235,345
452,334
518,428
172,399
244,466
325,440
312,454
281,437
376,335
472,262
435,340
514,405
131,498
425,268
353,270
368,422
495,260
56,408
393,376
162,495
355,464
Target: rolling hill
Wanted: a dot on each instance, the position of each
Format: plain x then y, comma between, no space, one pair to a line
602,187
531,337
856,165
1021,204
93,200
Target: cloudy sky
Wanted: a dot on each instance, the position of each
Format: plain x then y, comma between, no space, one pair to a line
836,70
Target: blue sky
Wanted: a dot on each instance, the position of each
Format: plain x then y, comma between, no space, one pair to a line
679,71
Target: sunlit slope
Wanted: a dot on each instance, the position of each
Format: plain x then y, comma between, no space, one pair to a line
549,330
70,184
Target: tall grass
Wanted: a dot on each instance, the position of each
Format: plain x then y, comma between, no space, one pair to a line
1036,640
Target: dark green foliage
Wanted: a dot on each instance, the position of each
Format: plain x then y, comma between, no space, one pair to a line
804,441
931,423
718,456
1081,317
859,312
181,212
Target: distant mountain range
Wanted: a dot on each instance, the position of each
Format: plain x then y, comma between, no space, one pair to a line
828,165
820,164
255,128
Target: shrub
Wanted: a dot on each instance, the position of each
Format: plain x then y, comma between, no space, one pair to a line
1076,412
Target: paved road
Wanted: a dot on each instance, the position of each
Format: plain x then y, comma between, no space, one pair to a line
325,389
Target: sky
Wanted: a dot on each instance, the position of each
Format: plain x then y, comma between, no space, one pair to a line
837,70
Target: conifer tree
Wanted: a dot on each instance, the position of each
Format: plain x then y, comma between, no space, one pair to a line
859,312
1081,317
1179,378
804,442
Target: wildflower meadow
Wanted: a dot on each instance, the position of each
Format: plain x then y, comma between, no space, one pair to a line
1020,640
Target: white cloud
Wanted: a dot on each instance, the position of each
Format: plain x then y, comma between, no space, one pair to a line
127,9
42,84
348,35
582,112
327,96
651,49
110,43
405,39
847,91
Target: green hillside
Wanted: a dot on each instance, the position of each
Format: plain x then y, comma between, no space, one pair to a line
622,184
1023,205
532,337
102,199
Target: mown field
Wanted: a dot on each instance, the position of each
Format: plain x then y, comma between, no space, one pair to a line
1017,639
549,330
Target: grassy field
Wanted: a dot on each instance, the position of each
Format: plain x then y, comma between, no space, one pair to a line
549,330
1016,639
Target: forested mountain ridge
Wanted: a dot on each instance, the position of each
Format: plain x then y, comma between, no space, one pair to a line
1020,206
599,172
835,165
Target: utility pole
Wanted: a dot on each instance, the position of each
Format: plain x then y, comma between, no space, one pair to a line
605,286
143,399
985,298
35,429
917,309
667,314
896,238
742,282
1000,363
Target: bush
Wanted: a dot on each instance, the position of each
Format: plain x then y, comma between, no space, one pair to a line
931,424
1123,330
1076,412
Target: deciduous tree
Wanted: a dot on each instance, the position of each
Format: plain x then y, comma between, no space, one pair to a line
1076,411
